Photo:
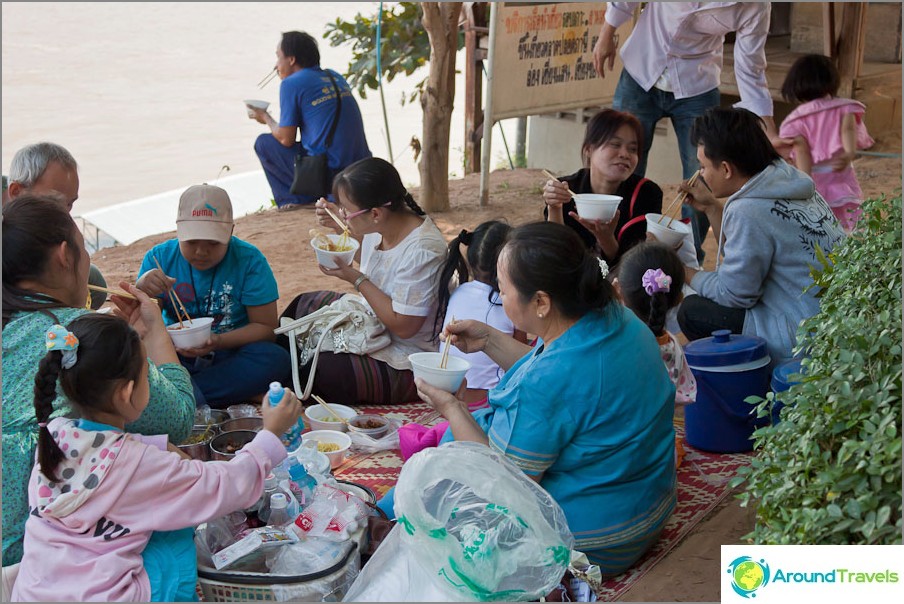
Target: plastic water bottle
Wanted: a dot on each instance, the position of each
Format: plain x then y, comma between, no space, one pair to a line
292,438
302,485
279,514
271,487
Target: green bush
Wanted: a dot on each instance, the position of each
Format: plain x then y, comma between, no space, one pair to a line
830,471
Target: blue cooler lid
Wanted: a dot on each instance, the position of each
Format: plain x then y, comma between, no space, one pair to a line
726,349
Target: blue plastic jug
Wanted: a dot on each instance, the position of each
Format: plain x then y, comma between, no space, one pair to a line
781,381
728,368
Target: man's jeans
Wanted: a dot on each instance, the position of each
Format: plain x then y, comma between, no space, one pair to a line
651,106
239,374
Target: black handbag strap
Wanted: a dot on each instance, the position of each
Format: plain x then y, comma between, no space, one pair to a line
329,137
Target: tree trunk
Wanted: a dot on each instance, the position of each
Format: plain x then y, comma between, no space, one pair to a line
441,22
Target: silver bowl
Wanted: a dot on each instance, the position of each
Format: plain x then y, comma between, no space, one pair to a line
237,438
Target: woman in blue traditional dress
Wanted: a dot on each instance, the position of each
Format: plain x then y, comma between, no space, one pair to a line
586,412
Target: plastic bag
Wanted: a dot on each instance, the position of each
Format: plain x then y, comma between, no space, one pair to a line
471,526
389,442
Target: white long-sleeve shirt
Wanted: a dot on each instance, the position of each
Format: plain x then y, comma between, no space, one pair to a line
686,39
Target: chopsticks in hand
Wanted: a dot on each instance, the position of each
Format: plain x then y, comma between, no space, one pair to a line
444,359
552,176
174,298
267,78
682,196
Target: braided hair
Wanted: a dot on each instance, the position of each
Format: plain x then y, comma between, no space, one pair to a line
109,354
372,183
484,244
650,308
33,227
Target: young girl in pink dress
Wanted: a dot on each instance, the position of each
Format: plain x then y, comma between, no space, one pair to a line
650,280
827,133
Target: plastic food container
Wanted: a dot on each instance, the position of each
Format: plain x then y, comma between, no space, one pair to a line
669,235
193,334
592,206
327,258
425,365
728,368
320,419
328,438
374,426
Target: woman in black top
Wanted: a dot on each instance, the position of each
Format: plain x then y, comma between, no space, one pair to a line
611,150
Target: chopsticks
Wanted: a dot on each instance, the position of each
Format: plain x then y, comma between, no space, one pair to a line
336,218
681,196
114,292
444,359
267,78
328,408
174,298
552,176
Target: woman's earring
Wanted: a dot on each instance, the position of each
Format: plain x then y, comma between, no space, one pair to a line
539,315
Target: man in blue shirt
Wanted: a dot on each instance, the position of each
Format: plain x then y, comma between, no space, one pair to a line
308,101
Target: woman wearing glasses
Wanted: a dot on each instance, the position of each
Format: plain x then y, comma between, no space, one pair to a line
400,257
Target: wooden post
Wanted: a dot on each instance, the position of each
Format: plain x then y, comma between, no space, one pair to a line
474,57
828,29
850,46
488,113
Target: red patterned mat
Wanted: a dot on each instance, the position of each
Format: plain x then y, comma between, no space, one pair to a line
702,484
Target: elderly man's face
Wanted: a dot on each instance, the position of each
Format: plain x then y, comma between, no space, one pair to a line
58,179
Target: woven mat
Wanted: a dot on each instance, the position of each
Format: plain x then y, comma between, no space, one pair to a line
702,484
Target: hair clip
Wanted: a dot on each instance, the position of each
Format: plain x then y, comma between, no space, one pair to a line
654,280
58,338
604,268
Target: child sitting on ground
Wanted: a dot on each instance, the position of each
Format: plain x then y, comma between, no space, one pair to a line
475,297
650,280
827,133
215,274
97,494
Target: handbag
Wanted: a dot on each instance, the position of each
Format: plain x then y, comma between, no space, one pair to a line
348,325
312,172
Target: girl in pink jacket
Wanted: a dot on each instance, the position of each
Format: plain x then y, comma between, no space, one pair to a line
96,493
827,132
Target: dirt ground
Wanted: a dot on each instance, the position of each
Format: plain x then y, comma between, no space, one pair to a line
690,573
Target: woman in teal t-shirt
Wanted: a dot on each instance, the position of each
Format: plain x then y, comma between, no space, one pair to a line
587,412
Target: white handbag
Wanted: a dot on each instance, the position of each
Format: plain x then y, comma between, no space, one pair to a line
348,325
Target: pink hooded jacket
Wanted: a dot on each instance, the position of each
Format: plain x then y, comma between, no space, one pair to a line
85,533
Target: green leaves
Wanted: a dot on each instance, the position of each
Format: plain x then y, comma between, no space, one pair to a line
830,471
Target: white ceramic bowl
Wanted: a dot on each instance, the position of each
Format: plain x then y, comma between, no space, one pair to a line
669,235
330,436
194,333
596,207
320,419
256,104
327,258
425,365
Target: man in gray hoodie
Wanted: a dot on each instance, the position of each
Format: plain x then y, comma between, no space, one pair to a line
768,230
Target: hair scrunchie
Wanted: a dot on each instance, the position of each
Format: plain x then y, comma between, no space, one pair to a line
654,280
465,237
58,338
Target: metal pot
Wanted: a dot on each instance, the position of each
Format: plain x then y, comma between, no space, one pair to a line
199,450
217,417
242,423
237,438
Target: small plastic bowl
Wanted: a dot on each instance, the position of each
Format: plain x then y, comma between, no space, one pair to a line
330,437
425,365
327,258
220,445
243,410
379,425
596,207
192,334
256,104
320,419
243,423
672,234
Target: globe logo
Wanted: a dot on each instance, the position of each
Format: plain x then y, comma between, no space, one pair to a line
748,575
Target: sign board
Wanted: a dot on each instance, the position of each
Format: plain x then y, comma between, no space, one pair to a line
542,59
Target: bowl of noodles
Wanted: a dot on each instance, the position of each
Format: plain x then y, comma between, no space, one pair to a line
331,443
329,247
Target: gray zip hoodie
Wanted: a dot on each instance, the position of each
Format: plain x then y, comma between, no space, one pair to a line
770,230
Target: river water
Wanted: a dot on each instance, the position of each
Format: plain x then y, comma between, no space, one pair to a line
148,96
